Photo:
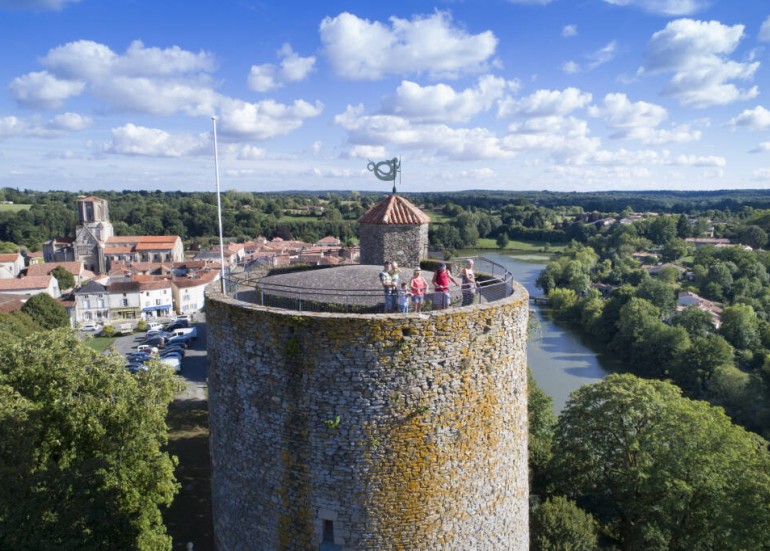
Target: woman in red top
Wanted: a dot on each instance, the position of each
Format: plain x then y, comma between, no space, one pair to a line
441,280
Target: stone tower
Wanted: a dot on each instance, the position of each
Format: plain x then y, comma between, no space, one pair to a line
367,431
394,229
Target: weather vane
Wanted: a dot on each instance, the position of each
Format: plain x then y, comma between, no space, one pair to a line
386,170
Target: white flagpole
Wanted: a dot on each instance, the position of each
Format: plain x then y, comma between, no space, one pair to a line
219,209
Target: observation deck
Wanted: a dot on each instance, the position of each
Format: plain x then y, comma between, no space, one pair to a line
356,289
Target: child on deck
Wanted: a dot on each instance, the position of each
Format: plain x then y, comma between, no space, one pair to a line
418,285
403,299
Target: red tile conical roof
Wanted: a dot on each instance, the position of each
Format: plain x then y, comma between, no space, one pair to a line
394,210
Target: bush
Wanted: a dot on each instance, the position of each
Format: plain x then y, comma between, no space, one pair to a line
560,525
108,331
141,326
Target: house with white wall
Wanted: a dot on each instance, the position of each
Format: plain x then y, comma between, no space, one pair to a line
11,265
92,303
189,291
30,286
157,298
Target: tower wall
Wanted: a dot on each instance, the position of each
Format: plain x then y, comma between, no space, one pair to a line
376,432
407,244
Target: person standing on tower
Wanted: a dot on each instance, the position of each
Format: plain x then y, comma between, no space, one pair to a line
441,279
388,287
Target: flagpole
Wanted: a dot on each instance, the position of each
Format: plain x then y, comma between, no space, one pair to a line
219,209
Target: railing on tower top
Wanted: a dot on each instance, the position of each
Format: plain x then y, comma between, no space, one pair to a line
250,283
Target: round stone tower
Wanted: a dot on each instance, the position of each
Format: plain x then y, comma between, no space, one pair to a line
394,229
369,431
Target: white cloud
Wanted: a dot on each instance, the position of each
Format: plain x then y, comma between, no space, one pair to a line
761,174
592,60
441,103
363,50
665,7
366,152
640,121
696,52
153,142
293,68
250,153
569,30
753,119
70,122
11,127
44,90
763,147
764,31
36,5
315,147
454,143
473,174
264,119
696,160
543,103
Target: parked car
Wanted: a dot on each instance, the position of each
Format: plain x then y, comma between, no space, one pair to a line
154,325
90,326
174,348
175,363
185,342
189,332
139,357
177,325
135,367
172,354
157,342
146,347
159,333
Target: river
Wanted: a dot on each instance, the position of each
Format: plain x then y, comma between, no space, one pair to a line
560,359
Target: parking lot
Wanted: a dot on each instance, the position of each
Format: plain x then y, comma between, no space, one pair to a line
193,364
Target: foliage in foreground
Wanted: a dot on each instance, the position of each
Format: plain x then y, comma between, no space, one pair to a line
659,471
46,311
81,465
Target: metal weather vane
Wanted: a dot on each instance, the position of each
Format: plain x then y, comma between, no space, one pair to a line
386,170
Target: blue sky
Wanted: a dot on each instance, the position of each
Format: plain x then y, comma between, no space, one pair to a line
560,95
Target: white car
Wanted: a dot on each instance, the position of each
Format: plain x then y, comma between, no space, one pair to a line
90,326
173,362
154,326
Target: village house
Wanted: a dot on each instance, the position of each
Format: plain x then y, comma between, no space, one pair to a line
76,268
91,303
189,291
688,298
11,265
30,286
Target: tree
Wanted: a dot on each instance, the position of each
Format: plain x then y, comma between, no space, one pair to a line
696,322
66,280
740,326
81,464
46,311
560,525
673,250
753,236
662,471
502,240
698,364
658,293
542,423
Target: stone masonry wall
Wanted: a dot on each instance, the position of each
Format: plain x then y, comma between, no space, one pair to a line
378,432
406,244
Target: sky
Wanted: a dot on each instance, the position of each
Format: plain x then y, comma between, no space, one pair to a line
559,95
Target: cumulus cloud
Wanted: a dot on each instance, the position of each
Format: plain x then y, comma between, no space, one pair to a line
70,122
664,7
250,153
264,119
366,152
639,121
153,142
696,52
42,89
592,60
698,160
544,103
359,49
36,5
455,143
569,30
753,119
292,68
441,103
764,31
763,147
484,173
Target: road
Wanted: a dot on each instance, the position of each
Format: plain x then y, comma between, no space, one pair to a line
193,365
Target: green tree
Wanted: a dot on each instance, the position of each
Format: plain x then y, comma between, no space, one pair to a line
46,311
740,326
559,524
502,240
542,424
673,250
658,293
662,471
698,364
81,464
66,280
753,236
7,247
15,325
696,322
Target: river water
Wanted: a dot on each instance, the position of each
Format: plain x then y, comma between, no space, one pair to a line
560,358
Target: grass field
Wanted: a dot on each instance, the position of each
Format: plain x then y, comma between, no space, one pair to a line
14,208
525,246
189,517
99,344
440,218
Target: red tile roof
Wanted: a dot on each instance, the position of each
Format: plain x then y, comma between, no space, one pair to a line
394,210
127,239
75,268
34,282
9,257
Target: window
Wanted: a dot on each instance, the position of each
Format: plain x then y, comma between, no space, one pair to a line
147,294
157,302
125,302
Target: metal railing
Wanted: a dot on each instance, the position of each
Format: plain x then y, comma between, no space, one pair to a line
251,284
